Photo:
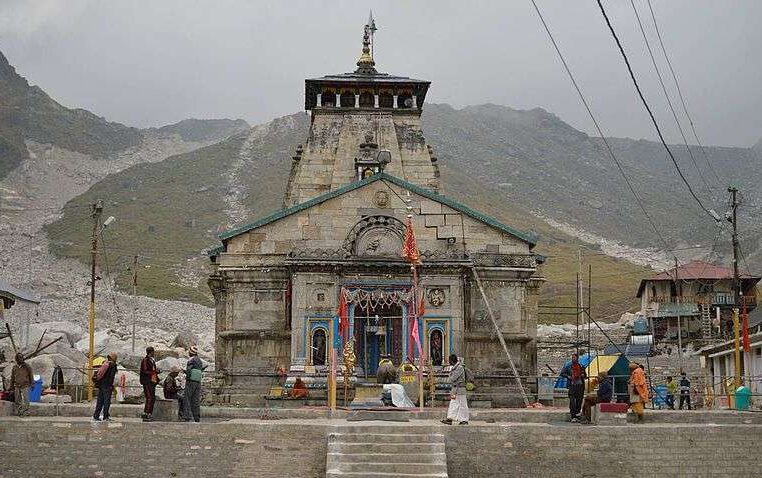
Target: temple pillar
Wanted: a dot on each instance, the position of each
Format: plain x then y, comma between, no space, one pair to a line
357,101
319,100
395,102
415,102
338,100
375,101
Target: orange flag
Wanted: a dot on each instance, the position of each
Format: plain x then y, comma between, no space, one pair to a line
343,314
410,250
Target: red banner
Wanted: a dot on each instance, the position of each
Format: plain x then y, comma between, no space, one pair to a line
745,330
409,247
343,314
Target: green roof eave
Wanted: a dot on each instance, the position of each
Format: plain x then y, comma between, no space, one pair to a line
529,238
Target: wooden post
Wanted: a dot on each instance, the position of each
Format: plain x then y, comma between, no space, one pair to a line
332,381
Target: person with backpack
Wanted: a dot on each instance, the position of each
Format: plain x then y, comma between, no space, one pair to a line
104,381
685,391
575,375
149,378
458,409
193,373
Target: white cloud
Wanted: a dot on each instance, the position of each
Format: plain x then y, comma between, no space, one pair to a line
20,18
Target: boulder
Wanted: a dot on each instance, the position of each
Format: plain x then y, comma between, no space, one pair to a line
166,364
43,366
185,339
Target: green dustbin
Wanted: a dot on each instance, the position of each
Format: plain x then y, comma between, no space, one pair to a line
743,397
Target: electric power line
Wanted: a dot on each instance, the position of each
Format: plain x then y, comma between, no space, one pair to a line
669,102
597,126
680,93
648,109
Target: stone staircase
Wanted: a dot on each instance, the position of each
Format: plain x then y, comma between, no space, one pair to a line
385,451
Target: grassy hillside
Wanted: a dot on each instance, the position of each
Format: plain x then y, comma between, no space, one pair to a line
168,212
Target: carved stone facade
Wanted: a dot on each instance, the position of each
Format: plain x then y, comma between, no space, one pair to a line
277,282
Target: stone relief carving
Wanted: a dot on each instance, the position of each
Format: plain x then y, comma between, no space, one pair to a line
375,236
381,199
436,297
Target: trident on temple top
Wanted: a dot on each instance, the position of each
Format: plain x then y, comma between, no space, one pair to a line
366,63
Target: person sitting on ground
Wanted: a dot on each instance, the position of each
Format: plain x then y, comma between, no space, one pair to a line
458,409
602,395
638,390
21,380
299,389
174,391
104,380
671,391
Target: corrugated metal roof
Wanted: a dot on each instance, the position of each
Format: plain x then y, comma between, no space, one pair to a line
527,237
10,294
699,270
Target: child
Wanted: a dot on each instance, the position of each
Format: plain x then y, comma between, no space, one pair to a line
671,391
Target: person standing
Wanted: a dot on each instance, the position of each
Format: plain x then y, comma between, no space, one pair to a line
149,378
21,381
193,374
104,380
671,392
575,374
458,409
685,391
638,390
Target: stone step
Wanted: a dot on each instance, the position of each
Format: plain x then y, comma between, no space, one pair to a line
386,438
390,428
339,474
389,467
371,457
353,448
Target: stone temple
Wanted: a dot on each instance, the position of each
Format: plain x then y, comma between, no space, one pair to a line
365,166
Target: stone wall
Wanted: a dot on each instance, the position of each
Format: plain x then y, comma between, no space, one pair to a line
76,448
71,448
546,450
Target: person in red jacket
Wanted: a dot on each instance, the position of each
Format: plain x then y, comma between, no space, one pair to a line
149,378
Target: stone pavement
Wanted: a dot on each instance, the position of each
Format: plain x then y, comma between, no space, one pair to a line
75,447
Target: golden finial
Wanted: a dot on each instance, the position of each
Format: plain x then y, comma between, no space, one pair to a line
365,64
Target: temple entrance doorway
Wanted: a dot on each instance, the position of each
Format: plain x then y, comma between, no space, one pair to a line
378,331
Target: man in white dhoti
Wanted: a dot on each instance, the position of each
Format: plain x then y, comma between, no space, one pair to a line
458,410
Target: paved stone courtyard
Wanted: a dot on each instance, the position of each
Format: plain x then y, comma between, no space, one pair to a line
519,443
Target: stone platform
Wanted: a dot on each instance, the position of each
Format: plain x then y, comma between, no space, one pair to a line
76,447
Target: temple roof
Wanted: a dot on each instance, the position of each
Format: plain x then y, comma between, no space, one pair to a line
527,237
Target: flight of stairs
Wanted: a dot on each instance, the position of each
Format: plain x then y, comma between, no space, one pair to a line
385,451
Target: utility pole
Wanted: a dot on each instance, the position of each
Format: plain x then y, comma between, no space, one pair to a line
737,294
96,211
134,297
679,292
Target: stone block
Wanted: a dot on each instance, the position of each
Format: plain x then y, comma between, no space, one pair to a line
430,207
434,220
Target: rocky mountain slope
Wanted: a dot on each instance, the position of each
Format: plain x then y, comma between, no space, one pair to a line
170,211
545,165
50,154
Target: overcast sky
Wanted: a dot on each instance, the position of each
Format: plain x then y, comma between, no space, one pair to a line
149,63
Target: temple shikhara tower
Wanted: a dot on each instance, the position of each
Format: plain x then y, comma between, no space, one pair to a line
365,167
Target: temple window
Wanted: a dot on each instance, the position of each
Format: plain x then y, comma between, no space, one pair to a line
385,100
404,101
366,100
329,98
347,99
318,346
